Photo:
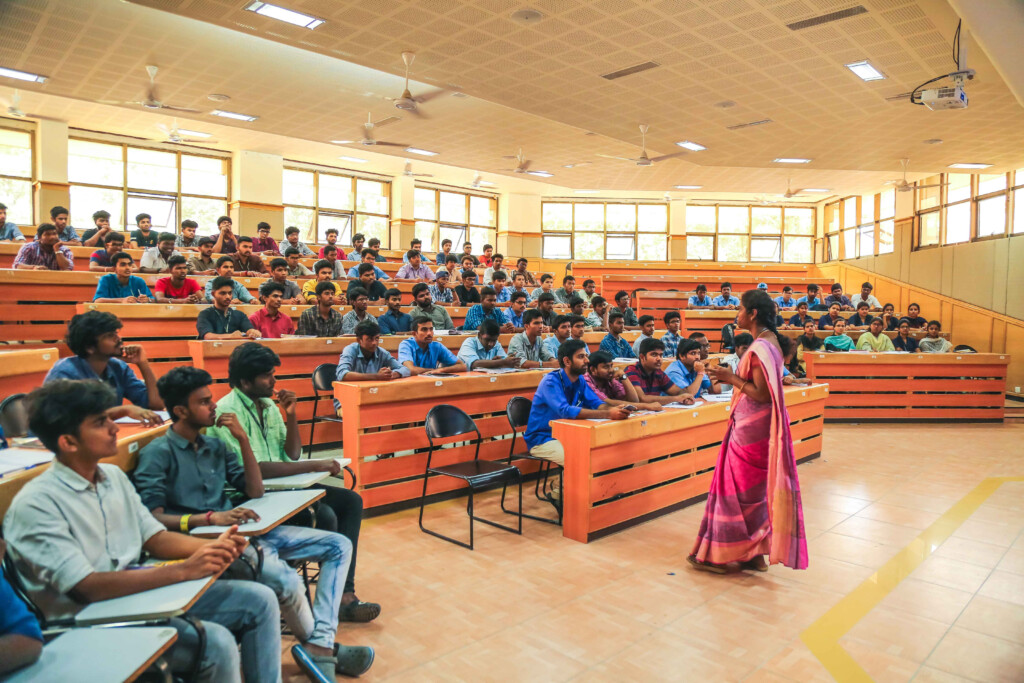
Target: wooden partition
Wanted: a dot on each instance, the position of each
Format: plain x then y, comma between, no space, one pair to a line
22,370
618,474
612,276
915,387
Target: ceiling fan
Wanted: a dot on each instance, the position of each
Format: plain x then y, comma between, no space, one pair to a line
522,163
407,102
409,174
643,159
152,101
14,105
367,133
478,181
177,136
901,184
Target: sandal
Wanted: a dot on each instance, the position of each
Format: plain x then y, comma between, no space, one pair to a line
352,660
359,611
317,669
706,566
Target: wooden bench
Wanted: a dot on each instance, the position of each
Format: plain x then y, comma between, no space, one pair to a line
915,387
619,474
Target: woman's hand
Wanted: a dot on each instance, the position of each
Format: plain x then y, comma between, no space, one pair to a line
722,374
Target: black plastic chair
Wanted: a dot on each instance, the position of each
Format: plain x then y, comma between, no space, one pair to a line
728,337
14,416
323,381
445,421
518,413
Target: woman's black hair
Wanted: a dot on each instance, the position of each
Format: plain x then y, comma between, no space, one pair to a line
85,328
249,361
61,406
761,307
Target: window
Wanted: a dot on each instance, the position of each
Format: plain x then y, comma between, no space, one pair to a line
16,175
594,231
170,186
456,216
968,207
761,234
886,223
1018,203
318,201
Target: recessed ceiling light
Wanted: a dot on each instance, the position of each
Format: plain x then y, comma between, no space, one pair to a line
586,191
932,141
815,189
218,97
424,152
526,16
22,75
692,146
354,160
233,115
961,165
344,142
194,133
790,160
542,174
725,104
286,15
687,187
865,71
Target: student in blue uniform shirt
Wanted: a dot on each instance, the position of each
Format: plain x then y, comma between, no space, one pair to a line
562,328
484,350
786,301
798,321
700,299
120,286
516,307
688,372
502,293
613,342
421,354
394,321
812,299
725,300
21,640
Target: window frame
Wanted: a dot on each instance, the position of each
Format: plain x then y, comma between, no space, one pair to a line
783,235
31,179
1014,181
466,227
607,234
352,214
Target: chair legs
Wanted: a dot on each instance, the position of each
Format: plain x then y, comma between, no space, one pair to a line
540,488
472,517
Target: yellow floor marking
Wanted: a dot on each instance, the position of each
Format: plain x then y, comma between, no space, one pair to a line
822,637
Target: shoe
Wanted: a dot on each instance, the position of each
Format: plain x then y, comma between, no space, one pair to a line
352,660
317,669
359,611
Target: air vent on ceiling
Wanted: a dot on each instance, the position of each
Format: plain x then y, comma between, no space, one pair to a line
827,18
748,124
629,71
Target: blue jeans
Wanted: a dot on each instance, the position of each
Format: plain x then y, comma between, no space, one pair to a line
333,552
242,607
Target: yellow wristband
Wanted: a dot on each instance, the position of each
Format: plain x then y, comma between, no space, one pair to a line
183,523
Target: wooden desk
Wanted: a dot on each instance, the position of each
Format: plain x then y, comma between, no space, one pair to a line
914,387
109,655
23,370
274,509
618,474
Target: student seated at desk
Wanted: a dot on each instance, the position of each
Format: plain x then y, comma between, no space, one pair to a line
450,269
860,320
446,251
145,237
246,441
502,293
68,234
21,640
467,250
562,329
394,320
629,319
546,305
827,322
100,260
933,343
295,268
422,355
564,395
903,341
203,264
121,287
279,274
702,342
725,300
467,292
225,242
613,342
788,348
324,272
45,252
484,350
178,288
522,266
187,239
837,297
673,321
9,231
651,383
424,308
263,243
440,292
646,332
688,372
786,301
567,291
700,299
368,256
486,310
356,252
154,259
518,285
890,321
248,264
416,244
374,246
494,268
866,295
101,228
226,269
269,321
577,328
913,317
597,319
331,236
222,321
69,552
99,354
486,259
365,361
334,256
413,270
359,301
321,319
576,306
516,308
528,345
547,281
839,340
873,339
812,299
798,321
291,240
611,385
806,342
467,263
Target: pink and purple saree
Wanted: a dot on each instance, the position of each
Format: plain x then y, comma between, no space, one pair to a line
753,507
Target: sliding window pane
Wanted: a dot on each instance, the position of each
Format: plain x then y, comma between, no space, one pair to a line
149,169
482,210
340,222
335,192
86,200
425,204
700,247
589,218
959,187
833,247
299,188
95,163
850,243
765,221
958,223
765,249
481,236
304,220
654,247
588,246
800,222
15,155
733,248
455,233
887,205
700,219
372,197
161,210
652,218
733,219
991,183
797,249
17,195
204,175
557,217
620,248
866,240
205,212
557,247
867,209
425,233
929,197
374,226
886,236
929,229
849,212
621,218
992,216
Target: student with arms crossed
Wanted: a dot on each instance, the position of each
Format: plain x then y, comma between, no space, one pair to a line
528,346
222,321
46,252
613,342
611,385
178,288
651,383
203,264
873,339
321,319
154,259
324,272
95,236
484,350
99,354
99,261
181,478
226,269
269,321
422,355
144,237
279,274
70,554
120,286
394,320
424,308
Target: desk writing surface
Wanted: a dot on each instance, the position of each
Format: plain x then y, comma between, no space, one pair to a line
109,655
158,603
273,509
295,481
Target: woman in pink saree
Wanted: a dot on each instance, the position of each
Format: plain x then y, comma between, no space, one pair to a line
753,508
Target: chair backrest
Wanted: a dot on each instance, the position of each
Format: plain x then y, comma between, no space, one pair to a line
964,348
324,376
518,412
445,420
728,338
14,416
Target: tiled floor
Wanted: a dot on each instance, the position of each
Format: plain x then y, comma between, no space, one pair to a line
627,607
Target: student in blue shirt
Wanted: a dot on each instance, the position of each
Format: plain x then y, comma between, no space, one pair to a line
562,328
837,297
811,299
700,299
563,395
239,294
99,354
120,286
393,321
486,310
484,350
368,256
688,373
514,312
422,355
725,300
9,232
446,249
613,342
502,293
356,253
365,361
21,640
786,300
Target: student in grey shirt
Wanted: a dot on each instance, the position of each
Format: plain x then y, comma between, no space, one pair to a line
528,344
291,239
424,308
359,300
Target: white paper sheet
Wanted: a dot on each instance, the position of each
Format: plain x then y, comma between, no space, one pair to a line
164,415
17,459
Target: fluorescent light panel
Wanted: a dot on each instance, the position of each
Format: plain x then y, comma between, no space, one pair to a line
790,160
963,165
194,133
22,75
687,187
233,115
692,146
286,15
542,174
865,71
354,160
815,189
424,152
